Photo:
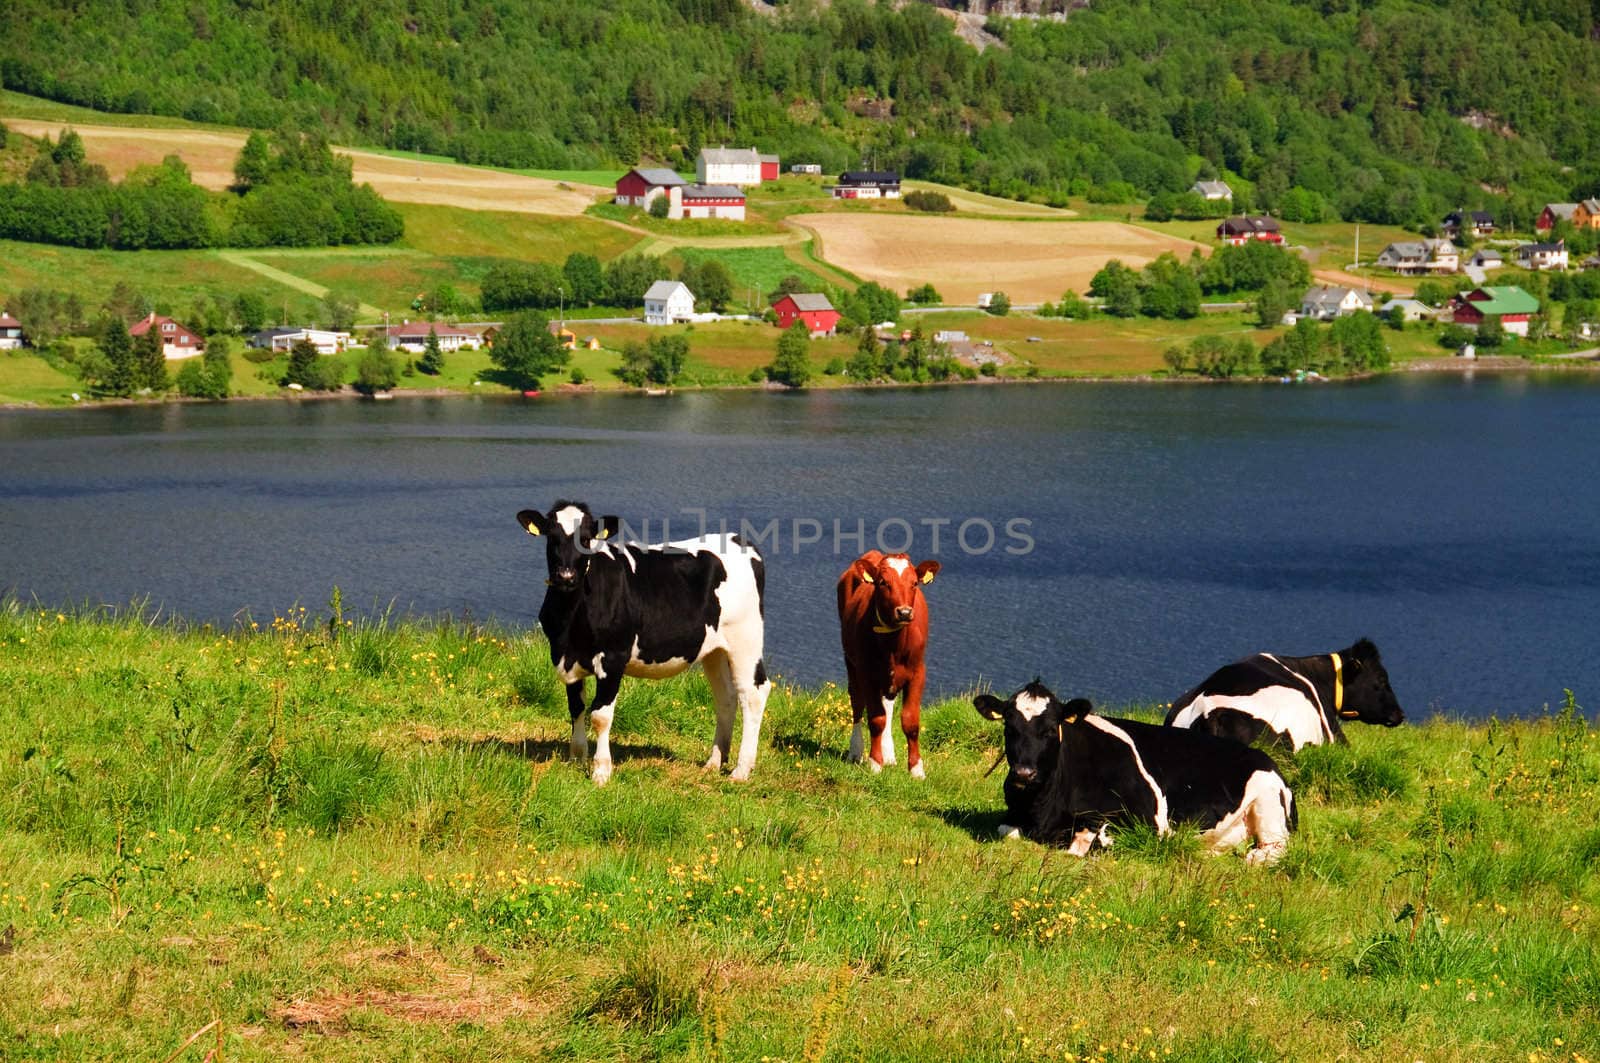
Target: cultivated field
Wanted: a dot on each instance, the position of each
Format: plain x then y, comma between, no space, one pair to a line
359,843
210,155
1032,261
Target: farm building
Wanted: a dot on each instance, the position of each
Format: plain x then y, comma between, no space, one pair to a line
1421,256
176,341
326,341
708,201
1411,310
769,167
806,167
1473,222
1543,256
1212,190
10,332
667,302
1240,230
639,186
413,336
867,184
564,336
1326,303
1583,215
818,314
728,166
1513,306
1486,258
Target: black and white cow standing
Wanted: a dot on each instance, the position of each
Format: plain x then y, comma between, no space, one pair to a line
1074,773
1294,700
616,609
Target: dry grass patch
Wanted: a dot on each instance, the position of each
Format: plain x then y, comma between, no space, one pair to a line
1032,261
210,156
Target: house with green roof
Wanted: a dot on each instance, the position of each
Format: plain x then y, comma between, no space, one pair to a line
1512,306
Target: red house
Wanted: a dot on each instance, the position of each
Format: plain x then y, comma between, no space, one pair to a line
176,341
769,167
1238,231
815,310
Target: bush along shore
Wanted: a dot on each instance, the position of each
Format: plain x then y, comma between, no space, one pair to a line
358,840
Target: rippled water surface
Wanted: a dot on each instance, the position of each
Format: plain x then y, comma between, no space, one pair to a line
1454,520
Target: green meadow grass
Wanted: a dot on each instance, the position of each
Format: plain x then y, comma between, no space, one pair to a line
358,842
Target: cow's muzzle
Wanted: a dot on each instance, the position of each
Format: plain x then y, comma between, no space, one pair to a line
563,579
1025,774
903,614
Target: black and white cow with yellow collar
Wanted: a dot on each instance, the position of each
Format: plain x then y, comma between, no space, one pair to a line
1298,701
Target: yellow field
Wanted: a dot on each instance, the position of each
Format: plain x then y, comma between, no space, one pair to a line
210,155
1031,261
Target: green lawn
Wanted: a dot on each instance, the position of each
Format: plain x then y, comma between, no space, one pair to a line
359,842
27,379
760,268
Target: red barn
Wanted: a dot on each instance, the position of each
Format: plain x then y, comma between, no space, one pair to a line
815,310
638,187
769,167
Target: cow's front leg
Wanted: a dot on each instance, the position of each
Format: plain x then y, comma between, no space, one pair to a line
882,736
579,746
753,686
858,701
911,724
606,687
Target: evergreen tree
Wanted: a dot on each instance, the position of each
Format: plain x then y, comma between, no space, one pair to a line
866,364
116,349
149,362
254,163
792,367
302,365
377,371
432,360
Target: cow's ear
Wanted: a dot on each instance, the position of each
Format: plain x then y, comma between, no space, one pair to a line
863,571
534,521
927,570
608,527
1075,710
989,706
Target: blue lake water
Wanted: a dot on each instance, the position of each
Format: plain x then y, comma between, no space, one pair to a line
1452,519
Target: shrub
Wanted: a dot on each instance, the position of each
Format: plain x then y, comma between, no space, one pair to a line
989,369
999,304
578,376
834,367
659,207
376,371
930,202
924,295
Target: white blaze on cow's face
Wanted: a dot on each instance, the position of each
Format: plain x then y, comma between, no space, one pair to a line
896,588
1034,722
572,535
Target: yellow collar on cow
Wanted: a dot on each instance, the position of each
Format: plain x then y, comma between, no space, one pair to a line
1338,690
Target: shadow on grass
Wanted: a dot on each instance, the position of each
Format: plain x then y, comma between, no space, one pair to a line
556,748
983,824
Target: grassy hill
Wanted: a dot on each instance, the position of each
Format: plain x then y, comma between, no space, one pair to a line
357,842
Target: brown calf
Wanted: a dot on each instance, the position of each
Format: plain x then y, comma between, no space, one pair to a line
883,624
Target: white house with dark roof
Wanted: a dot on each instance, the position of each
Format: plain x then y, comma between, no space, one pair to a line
1212,190
1326,303
1543,256
326,341
668,301
413,336
1421,256
728,166
707,201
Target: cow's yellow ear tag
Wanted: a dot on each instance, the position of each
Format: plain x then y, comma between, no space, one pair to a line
927,577
867,579
533,529
603,533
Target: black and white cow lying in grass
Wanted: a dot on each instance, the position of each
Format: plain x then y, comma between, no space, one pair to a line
616,609
1074,773
1293,700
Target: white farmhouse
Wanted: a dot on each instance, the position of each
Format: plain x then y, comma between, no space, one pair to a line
10,332
667,302
1326,303
728,166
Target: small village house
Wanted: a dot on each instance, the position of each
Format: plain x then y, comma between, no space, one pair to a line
1326,302
10,332
820,318
176,341
1581,215
1212,191
1410,310
639,186
1477,223
488,336
413,336
667,302
326,341
1543,256
867,184
1240,230
1486,258
564,336
1511,305
1425,256
728,166
770,166
806,167
707,201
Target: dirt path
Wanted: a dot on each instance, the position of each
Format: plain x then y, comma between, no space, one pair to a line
210,155
1340,278
290,280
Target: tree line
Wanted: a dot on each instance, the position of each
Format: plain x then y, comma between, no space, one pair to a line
290,191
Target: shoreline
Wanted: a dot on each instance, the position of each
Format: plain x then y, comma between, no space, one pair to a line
1448,364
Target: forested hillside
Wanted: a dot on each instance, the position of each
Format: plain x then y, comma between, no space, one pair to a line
1386,111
